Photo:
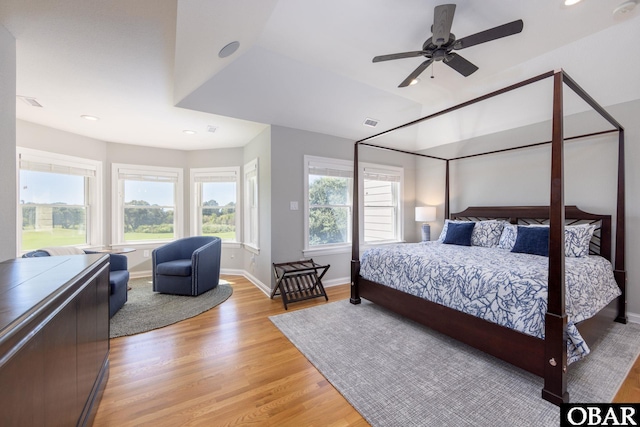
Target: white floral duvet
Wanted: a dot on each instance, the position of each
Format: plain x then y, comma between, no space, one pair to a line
506,288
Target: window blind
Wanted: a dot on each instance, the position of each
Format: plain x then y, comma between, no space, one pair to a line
159,176
216,177
327,169
61,168
381,175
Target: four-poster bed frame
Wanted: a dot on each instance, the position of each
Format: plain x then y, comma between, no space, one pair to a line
544,357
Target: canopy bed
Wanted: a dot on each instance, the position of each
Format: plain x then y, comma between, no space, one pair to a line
544,353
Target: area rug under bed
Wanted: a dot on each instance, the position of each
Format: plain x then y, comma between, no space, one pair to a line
398,373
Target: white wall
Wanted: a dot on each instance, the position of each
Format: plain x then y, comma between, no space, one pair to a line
523,178
7,144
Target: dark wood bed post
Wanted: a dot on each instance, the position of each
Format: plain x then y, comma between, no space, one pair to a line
355,233
619,270
447,207
555,348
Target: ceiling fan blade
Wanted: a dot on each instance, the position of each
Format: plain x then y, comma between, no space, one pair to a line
442,20
398,56
416,73
492,34
460,64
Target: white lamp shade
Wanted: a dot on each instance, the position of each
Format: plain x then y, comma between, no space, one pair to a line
425,213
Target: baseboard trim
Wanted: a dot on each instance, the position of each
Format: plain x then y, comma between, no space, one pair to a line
336,282
140,274
257,283
633,317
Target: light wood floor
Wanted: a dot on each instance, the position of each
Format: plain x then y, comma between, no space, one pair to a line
232,366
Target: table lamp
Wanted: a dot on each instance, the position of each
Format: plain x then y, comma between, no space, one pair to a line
425,214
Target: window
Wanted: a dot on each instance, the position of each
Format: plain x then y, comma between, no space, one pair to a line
59,200
381,203
251,205
147,203
328,190
215,203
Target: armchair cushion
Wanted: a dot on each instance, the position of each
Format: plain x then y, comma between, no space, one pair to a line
179,267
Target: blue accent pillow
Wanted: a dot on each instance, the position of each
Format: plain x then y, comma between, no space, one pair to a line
532,240
459,233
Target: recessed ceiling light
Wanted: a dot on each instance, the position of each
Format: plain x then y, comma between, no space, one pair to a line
229,49
90,118
414,82
571,2
189,132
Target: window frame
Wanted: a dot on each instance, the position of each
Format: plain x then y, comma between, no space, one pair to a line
395,171
196,200
93,189
331,248
117,201
251,211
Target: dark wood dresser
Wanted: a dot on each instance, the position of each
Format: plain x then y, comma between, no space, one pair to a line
54,339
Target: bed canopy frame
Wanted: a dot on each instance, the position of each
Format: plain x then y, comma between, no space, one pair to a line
553,367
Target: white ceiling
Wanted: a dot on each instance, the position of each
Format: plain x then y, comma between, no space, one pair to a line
149,68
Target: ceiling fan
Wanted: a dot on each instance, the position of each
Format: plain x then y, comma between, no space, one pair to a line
440,46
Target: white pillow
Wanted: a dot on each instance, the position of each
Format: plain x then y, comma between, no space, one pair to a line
577,239
487,233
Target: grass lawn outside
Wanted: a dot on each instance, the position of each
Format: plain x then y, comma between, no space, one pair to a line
141,237
37,239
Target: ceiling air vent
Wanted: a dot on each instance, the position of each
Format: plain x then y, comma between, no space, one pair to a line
211,129
370,122
30,101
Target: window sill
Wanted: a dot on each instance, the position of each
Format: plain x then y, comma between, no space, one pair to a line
377,244
251,248
231,245
343,249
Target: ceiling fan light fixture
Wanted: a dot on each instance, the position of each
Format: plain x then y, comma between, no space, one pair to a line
625,7
414,82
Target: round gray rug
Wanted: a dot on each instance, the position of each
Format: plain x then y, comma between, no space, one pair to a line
146,310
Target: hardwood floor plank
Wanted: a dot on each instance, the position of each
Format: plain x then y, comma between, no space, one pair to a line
231,366
228,366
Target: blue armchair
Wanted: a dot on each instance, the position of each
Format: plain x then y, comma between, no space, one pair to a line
188,266
118,278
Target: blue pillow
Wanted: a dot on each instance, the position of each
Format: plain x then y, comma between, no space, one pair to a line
459,233
532,240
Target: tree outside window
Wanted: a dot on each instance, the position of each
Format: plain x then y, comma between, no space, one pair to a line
329,210
214,201
147,203
329,184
